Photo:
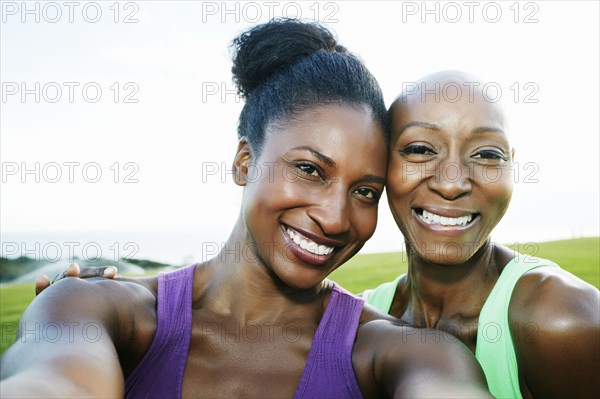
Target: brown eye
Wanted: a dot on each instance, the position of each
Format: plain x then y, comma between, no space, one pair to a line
418,149
490,154
368,193
309,169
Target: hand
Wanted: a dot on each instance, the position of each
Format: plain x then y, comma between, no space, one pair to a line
43,281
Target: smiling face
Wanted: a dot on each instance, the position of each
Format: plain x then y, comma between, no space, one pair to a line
310,201
449,180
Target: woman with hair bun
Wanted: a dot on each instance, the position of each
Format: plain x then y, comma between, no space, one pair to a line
260,319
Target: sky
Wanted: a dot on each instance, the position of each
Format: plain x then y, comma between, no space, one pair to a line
118,119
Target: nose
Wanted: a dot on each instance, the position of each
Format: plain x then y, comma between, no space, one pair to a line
332,211
451,180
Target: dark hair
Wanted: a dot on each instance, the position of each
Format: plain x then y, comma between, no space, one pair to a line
287,66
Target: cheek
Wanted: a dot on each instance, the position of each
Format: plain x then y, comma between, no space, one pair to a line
497,187
273,188
366,222
401,178
261,205
502,198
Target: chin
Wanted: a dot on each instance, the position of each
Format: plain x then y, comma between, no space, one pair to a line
443,252
446,258
301,279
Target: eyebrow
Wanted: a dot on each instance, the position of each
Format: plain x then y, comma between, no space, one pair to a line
322,157
487,129
435,127
331,162
430,126
373,179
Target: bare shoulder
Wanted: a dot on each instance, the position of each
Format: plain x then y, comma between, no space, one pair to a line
556,300
127,308
371,313
94,297
555,320
393,359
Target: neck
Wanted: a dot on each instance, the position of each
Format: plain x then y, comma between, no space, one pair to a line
240,285
448,292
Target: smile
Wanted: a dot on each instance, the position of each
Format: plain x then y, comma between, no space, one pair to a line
434,219
308,244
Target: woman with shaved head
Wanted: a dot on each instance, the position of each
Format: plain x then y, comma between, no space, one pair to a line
533,326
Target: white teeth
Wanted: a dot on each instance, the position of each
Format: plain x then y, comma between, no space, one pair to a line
308,245
432,218
323,249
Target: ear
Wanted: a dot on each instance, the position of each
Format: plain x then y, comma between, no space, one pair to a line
241,162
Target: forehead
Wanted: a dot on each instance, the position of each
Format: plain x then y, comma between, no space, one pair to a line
339,130
466,113
326,124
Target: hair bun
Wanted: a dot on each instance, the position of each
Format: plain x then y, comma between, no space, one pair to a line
268,48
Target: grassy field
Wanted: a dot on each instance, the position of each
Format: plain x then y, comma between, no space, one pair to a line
579,256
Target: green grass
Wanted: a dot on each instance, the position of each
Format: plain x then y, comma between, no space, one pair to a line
579,256
13,301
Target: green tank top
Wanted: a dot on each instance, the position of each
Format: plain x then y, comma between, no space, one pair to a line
495,349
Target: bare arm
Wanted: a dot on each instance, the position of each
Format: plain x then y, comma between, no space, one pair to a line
415,363
557,338
67,342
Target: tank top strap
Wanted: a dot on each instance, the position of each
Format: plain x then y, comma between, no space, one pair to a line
328,372
495,348
382,296
160,373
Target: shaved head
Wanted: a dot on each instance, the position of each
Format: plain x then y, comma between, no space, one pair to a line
451,90
451,86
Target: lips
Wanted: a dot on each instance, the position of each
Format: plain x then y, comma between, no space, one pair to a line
446,218
308,244
309,248
432,218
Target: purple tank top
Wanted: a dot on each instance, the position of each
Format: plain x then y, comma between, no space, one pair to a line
328,372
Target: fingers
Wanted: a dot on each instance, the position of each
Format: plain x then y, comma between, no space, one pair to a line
73,270
41,283
109,272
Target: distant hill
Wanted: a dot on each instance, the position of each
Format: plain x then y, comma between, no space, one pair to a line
25,269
